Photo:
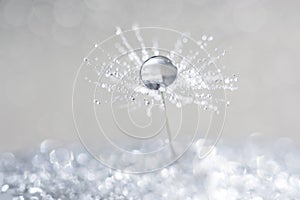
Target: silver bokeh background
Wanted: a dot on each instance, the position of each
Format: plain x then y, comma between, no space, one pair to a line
43,42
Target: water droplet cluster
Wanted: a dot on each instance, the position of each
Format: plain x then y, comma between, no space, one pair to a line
197,80
141,88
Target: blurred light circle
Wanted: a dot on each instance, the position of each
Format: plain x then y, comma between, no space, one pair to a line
198,2
41,19
250,17
98,5
150,10
66,36
16,12
68,13
21,91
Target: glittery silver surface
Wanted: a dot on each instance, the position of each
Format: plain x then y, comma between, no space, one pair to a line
253,170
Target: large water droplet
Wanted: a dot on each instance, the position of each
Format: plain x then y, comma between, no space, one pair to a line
158,71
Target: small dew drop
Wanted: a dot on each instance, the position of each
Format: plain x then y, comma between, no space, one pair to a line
228,103
178,105
184,40
146,102
204,37
85,59
5,188
96,101
118,31
223,53
210,38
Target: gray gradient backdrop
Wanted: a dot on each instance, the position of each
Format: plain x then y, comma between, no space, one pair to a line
42,43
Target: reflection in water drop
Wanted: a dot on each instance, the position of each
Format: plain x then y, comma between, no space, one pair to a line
158,71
